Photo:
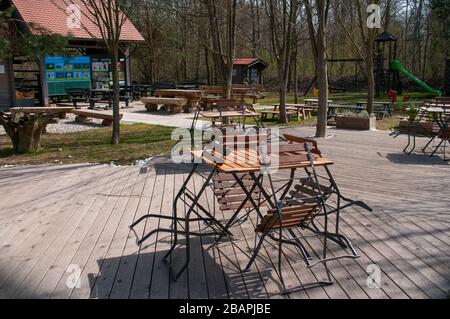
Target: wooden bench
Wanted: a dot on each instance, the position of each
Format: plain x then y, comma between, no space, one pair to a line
82,117
174,105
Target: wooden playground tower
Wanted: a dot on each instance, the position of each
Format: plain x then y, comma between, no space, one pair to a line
385,77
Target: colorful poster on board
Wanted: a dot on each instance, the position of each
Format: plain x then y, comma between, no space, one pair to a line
65,73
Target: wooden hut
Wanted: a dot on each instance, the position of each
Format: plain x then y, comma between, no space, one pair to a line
249,71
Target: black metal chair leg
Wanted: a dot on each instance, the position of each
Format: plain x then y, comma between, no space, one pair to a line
436,148
172,247
255,253
428,144
306,256
299,245
188,251
159,230
280,255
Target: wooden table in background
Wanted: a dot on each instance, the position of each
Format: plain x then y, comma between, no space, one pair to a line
192,96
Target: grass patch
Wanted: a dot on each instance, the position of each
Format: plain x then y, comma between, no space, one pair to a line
138,141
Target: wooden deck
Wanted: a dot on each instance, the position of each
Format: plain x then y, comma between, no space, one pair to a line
56,216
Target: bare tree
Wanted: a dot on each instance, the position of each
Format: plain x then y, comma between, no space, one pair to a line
282,16
365,42
108,17
318,45
223,56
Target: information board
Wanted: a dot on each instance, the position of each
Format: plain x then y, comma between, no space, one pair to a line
102,72
64,73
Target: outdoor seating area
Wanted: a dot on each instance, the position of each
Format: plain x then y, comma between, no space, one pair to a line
406,234
432,120
239,171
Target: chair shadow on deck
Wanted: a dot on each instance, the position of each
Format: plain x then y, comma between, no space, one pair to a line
206,275
416,159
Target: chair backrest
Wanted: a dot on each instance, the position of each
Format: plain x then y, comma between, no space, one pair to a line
233,140
297,139
292,213
293,216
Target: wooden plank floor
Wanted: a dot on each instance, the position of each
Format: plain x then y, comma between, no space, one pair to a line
63,223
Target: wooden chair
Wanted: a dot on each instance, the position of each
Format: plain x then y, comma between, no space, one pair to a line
229,193
328,186
290,215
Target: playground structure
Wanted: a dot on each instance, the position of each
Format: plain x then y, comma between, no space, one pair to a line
387,69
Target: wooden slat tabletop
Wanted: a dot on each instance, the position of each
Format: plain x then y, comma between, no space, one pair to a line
246,161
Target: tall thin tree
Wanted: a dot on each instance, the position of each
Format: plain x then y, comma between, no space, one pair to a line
108,17
317,24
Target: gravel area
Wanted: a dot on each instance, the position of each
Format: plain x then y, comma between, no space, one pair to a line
68,125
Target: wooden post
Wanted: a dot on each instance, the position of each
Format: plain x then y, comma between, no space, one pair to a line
10,67
127,65
43,82
6,91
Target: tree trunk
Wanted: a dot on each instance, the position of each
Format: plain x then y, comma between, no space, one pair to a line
230,47
283,90
116,96
370,79
26,136
29,137
322,74
322,79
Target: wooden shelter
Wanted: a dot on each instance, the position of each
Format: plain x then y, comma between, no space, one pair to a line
248,71
31,82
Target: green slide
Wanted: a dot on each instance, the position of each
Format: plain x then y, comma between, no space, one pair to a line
395,65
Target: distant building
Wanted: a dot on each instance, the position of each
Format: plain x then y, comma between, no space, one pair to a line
249,71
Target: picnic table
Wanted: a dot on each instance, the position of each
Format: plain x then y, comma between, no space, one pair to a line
143,89
232,165
107,95
192,96
236,92
225,116
41,110
315,101
300,110
379,107
439,114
